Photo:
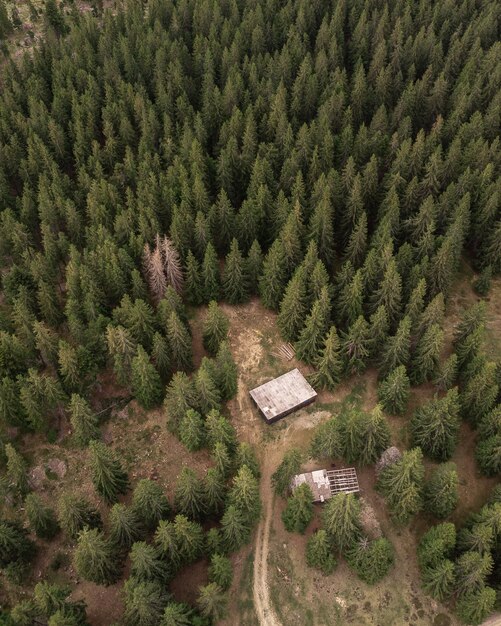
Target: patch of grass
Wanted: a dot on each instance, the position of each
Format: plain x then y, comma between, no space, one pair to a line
286,587
245,601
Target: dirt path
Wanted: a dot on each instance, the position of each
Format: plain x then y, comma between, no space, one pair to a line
262,602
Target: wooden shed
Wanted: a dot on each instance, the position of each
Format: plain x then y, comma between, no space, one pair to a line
283,395
325,484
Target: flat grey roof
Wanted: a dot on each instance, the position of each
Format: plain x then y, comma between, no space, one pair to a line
282,395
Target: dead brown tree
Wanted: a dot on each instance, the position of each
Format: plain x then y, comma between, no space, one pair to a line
162,267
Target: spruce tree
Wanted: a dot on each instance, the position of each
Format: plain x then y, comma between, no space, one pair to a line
189,494
479,394
244,494
475,606
393,391
180,397
355,346
176,614
146,563
212,602
397,349
75,513
150,503
488,455
364,436
215,328
446,374
438,581
17,471
189,537
220,571
160,354
371,560
193,288
15,546
341,519
145,380
220,430
235,529
215,490
299,510
208,396
289,466
125,525
441,491
402,484
319,552
234,281
273,277
427,353
435,426
254,262
192,430
84,421
108,475
95,558
293,307
245,455
226,371
309,343
180,343
41,518
210,274
144,602
329,363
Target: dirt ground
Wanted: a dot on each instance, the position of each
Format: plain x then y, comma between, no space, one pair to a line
285,591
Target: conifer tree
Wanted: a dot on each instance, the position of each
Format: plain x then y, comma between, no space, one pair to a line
355,346
290,465
226,371
220,430
15,546
310,338
293,307
273,276
189,537
402,483
75,513
176,614
389,292
122,349
125,525
215,328
180,397
145,380
160,354
350,301
17,471
193,288
41,518
180,343
146,564
246,456
480,393
222,458
215,490
427,353
244,494
341,519
438,581
329,364
397,349
364,436
189,494
488,455
108,476
472,569
299,510
192,431
435,426
210,274
95,559
371,560
254,262
326,442
473,607
446,373
235,529
440,492
378,331
220,571
84,421
319,552
234,280
393,391
212,602
208,396
150,503
144,602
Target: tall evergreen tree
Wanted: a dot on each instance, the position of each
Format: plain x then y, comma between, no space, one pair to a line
215,328
393,391
95,559
329,363
235,283
84,421
108,475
